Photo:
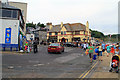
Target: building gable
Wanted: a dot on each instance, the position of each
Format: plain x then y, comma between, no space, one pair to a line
63,29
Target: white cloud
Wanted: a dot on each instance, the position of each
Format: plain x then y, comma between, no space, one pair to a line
99,13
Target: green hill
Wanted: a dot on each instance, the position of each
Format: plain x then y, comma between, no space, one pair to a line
100,35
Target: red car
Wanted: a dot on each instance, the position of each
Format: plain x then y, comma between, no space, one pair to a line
55,47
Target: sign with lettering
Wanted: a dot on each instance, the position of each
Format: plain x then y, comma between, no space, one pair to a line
8,35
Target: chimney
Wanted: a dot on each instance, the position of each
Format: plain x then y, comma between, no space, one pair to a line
61,24
48,25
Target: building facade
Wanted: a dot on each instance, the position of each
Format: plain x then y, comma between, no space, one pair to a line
69,33
12,26
23,7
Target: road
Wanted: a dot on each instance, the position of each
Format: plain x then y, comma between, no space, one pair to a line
70,64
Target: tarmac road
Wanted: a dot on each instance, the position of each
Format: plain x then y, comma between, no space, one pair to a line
70,64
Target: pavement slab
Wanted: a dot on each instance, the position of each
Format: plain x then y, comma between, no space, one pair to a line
103,68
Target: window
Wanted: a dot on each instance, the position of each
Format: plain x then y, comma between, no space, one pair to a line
9,14
64,32
50,33
14,15
56,33
77,32
61,32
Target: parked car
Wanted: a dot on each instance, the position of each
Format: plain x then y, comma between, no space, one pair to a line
43,43
68,44
55,48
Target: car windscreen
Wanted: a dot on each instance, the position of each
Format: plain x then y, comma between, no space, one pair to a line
54,44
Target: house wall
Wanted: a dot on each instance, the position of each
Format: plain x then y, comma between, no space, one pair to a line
29,36
13,24
69,34
43,35
23,7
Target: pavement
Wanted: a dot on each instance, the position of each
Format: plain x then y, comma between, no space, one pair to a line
102,70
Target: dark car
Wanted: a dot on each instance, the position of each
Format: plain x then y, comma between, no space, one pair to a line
55,48
43,43
68,44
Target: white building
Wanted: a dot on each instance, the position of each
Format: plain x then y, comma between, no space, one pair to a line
12,27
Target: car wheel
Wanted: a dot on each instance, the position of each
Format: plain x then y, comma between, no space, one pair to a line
60,52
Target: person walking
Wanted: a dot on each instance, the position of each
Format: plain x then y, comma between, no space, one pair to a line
35,46
100,52
91,51
108,50
103,48
85,46
112,50
117,52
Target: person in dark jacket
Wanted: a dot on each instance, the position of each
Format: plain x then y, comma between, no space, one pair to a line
35,46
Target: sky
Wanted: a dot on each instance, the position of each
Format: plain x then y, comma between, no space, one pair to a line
102,15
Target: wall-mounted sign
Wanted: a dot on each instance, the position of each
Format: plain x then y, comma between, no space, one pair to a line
8,35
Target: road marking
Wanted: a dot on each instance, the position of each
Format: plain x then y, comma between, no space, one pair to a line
87,72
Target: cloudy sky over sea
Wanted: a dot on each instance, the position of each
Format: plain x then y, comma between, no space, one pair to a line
101,14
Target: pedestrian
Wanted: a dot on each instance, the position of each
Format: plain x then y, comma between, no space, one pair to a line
35,46
79,45
85,46
112,51
91,51
103,48
108,50
100,52
82,45
117,52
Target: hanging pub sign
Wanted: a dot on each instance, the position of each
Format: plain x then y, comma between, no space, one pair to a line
8,35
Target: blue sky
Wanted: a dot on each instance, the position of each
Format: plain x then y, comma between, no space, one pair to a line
101,14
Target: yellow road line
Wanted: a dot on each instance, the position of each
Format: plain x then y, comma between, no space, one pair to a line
85,74
89,70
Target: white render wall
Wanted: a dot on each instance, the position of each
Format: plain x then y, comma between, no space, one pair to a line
13,24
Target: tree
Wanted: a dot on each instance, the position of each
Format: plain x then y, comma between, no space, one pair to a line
97,34
40,25
30,25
